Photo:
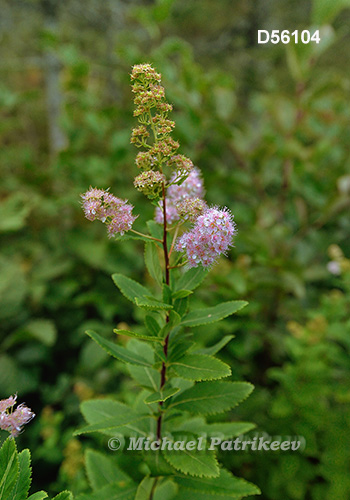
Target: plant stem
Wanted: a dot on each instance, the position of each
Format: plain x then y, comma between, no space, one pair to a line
153,488
174,239
146,236
166,341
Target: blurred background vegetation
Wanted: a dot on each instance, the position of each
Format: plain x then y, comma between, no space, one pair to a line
269,126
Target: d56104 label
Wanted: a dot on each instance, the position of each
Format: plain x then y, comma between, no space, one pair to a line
285,36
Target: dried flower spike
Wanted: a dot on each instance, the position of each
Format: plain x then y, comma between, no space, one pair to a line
150,183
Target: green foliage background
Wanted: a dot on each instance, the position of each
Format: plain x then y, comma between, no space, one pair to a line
269,126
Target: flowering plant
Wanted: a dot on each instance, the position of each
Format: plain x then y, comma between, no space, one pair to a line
180,383
15,469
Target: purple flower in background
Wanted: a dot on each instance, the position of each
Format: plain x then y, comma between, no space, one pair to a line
11,420
210,237
192,187
104,206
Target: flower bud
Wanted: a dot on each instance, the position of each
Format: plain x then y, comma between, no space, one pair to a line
150,183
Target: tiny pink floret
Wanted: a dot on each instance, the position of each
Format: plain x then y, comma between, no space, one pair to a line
11,420
210,237
104,206
192,187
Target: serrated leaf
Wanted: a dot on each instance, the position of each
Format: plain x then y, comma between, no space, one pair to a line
166,490
102,470
191,278
131,289
118,351
224,430
157,463
39,495
155,229
152,262
64,495
162,395
181,294
109,424
145,488
147,377
208,398
104,415
202,463
8,468
181,306
167,293
226,486
212,314
177,349
112,491
152,325
216,347
199,367
20,491
127,333
152,305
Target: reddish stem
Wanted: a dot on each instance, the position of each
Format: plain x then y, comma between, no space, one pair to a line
166,341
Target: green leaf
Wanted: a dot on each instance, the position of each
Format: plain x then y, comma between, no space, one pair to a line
212,314
167,293
200,367
145,488
39,495
325,11
8,468
225,430
20,491
40,329
166,490
104,415
181,294
13,211
191,278
195,462
216,347
130,288
117,351
157,464
228,429
152,305
152,325
155,229
147,377
127,333
177,349
110,424
162,395
102,470
224,487
153,263
208,398
112,491
64,495
181,306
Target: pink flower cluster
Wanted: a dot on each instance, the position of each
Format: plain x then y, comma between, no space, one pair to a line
104,206
210,237
11,420
192,187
